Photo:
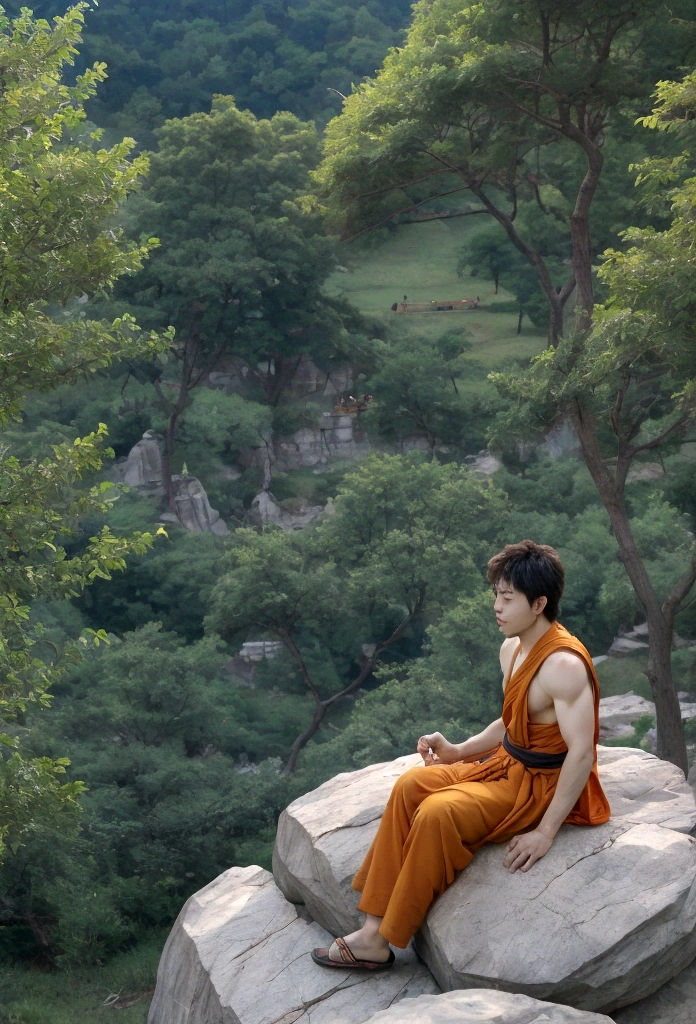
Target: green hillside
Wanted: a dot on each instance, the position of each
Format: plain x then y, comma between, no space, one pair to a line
420,260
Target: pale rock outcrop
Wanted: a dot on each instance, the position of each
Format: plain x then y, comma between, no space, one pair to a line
674,1003
611,909
626,645
265,511
239,954
603,920
335,437
645,471
635,640
143,466
193,508
483,464
616,714
484,1006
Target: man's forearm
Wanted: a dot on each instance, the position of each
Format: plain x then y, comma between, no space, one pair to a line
491,736
571,782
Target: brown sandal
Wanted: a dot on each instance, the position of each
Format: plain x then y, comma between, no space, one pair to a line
321,956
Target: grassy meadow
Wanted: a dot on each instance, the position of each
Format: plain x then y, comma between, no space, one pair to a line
420,260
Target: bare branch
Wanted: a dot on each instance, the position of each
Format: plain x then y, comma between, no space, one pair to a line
664,436
680,590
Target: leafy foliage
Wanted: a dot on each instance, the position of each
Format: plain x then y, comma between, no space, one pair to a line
58,199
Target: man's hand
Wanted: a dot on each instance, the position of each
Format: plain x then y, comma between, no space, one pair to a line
432,747
525,850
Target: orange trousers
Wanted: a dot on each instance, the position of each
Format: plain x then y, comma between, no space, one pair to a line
432,825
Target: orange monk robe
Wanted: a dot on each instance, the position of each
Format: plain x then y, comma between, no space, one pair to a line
438,816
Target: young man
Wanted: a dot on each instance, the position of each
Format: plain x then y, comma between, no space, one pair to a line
518,781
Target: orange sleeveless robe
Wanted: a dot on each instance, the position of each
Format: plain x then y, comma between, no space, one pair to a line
438,816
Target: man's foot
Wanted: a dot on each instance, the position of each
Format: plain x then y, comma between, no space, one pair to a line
364,945
340,955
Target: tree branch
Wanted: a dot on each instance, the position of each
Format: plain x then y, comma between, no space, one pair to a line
664,436
679,591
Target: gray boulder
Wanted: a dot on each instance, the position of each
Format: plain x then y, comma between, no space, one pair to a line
265,511
616,714
193,508
323,836
674,1003
239,954
143,466
612,909
603,920
484,1006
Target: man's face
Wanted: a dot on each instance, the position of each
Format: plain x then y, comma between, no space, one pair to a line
513,613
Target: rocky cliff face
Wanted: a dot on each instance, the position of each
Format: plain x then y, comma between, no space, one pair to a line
607,919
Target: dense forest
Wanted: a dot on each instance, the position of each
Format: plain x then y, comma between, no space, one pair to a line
246,507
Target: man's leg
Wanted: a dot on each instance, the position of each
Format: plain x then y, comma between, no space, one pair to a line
445,827
380,869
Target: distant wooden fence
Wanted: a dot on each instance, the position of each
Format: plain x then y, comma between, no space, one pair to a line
436,306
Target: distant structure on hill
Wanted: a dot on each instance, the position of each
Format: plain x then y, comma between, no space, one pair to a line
436,306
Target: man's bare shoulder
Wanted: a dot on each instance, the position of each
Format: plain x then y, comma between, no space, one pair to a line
507,649
563,675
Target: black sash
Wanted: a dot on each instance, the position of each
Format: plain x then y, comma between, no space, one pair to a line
533,758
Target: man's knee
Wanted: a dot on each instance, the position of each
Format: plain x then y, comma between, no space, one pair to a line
436,807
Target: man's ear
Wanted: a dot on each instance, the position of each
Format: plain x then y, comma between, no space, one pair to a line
539,604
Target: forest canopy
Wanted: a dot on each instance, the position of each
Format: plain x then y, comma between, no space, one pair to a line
246,512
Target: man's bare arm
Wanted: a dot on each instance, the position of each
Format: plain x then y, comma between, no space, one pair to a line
565,679
447,753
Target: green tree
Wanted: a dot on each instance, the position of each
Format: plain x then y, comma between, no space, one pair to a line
473,102
628,387
57,242
415,390
455,686
241,266
156,729
405,540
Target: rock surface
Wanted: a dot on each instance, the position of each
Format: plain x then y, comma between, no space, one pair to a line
239,954
616,714
612,909
612,915
674,1003
265,511
143,466
193,508
484,1006
323,837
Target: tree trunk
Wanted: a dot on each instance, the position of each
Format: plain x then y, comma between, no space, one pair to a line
535,258
671,744
519,319
304,738
496,280
581,243
168,446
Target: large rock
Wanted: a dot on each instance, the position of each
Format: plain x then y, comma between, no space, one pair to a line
265,511
323,836
239,954
604,920
193,508
617,714
484,1006
674,1003
143,466
611,909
